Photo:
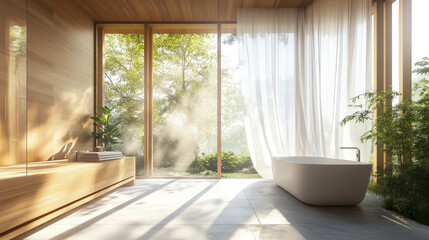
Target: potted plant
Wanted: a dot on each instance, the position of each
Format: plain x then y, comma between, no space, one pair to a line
106,133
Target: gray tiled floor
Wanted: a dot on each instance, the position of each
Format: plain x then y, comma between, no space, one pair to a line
224,209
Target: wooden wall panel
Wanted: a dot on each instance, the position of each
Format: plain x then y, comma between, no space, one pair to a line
60,79
13,82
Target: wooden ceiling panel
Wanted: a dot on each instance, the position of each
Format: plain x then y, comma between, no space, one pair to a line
150,10
228,8
176,10
183,28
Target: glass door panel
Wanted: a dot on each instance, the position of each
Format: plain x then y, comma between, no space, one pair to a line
184,104
124,91
236,160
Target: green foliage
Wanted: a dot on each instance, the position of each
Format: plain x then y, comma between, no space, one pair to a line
229,39
186,60
107,132
405,190
422,66
240,175
124,85
393,125
403,133
231,163
184,94
183,65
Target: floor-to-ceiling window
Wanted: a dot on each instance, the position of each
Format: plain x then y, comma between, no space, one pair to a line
184,103
420,47
236,160
186,110
420,35
124,90
395,49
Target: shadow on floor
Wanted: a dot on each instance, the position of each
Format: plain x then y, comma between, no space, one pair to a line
228,209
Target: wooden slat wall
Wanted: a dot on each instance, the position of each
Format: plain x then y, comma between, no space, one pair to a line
60,79
177,10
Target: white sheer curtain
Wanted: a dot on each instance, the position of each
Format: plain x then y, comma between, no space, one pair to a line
299,69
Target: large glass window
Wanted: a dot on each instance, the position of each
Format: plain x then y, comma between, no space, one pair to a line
420,35
236,161
184,104
395,49
124,91
183,89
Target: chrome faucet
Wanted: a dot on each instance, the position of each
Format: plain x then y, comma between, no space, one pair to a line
357,152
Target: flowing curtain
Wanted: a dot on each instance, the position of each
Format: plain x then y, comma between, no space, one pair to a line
299,69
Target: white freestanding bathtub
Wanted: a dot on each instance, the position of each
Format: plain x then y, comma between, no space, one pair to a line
322,181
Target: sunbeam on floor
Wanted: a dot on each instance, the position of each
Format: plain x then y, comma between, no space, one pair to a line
223,209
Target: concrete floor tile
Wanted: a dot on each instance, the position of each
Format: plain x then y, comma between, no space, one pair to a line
223,209
276,232
154,232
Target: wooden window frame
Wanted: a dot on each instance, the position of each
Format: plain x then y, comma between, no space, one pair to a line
382,10
149,28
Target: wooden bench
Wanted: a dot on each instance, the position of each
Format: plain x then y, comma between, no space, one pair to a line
55,188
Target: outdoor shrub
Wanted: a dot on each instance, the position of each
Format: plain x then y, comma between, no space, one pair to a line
405,191
208,173
403,133
251,170
230,163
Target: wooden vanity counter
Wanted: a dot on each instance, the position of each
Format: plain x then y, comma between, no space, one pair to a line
52,188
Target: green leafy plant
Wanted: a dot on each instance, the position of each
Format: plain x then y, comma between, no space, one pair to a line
402,131
231,163
107,132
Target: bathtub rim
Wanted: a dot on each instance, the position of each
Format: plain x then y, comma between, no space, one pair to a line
342,162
